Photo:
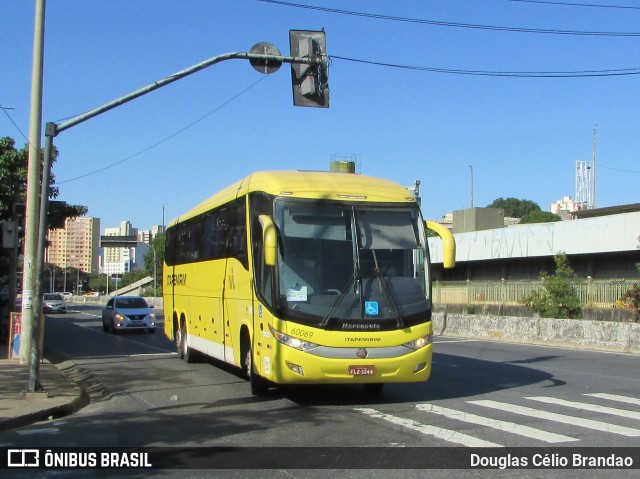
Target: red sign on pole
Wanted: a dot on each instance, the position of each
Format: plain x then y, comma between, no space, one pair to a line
15,332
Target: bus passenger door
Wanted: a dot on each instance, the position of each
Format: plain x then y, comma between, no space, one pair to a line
214,328
237,307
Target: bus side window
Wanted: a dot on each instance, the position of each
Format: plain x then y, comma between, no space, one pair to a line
261,204
237,232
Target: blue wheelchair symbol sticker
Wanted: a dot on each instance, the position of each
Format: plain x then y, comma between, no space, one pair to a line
371,308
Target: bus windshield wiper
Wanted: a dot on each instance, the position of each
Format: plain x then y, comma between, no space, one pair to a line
341,296
356,271
385,292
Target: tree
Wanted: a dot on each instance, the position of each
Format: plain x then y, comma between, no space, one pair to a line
158,245
13,176
557,299
515,208
13,185
131,277
539,217
97,283
526,210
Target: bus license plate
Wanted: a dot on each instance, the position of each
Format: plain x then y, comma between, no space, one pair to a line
362,370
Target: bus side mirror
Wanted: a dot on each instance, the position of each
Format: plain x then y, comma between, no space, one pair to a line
269,240
448,243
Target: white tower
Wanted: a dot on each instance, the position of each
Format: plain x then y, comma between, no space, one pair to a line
584,185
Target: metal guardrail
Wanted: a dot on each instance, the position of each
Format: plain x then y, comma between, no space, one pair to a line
592,293
102,300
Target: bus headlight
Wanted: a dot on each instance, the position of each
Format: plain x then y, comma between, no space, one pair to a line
420,342
296,343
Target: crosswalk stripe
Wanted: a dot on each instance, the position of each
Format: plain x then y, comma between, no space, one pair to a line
615,397
561,418
504,426
438,432
588,407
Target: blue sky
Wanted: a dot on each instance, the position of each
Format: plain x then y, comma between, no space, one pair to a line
522,136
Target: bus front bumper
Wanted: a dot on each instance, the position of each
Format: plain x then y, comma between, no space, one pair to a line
291,366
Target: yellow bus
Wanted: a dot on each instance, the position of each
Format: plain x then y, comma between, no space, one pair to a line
301,277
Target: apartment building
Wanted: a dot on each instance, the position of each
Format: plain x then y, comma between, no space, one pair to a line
76,245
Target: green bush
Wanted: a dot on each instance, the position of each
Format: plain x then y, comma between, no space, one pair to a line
469,309
557,298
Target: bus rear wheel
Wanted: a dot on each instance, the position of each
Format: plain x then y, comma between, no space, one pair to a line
182,345
177,336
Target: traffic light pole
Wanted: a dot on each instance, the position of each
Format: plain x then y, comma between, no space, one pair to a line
54,129
31,306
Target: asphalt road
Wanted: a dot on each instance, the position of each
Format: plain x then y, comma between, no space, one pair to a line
481,395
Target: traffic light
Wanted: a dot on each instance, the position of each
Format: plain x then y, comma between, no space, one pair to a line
310,82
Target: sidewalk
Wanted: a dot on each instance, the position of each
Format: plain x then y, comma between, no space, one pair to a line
62,396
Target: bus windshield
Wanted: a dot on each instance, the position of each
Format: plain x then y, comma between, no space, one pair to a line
352,267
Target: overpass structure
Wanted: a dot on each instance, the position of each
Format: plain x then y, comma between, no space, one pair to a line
133,288
598,247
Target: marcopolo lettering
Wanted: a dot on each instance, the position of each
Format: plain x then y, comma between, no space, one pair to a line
177,279
360,326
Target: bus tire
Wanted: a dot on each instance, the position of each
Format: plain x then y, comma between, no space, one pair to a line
177,336
187,354
259,385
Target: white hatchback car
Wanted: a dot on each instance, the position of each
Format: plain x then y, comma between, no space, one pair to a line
126,313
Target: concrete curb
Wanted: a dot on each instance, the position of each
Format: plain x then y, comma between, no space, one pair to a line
45,413
579,333
64,397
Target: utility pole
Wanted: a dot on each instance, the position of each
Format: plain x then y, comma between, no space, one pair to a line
593,168
471,168
31,304
163,205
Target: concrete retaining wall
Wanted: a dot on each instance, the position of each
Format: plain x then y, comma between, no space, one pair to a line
595,314
580,333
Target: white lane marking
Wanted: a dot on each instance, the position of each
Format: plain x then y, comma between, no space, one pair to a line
587,407
438,432
446,341
561,418
504,426
615,397
154,354
31,432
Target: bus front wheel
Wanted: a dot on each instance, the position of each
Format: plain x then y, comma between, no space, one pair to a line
259,385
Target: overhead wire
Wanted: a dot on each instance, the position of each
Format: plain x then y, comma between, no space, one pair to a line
521,74
527,74
531,74
173,135
579,4
440,23
4,109
600,165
